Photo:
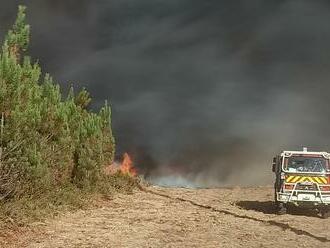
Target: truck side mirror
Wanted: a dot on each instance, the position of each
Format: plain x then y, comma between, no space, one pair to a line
274,164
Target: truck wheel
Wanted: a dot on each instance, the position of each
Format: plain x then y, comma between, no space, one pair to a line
281,209
325,213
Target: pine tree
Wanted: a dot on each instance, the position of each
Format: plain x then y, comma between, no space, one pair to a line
18,37
46,140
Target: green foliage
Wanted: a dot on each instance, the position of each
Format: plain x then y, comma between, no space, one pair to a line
18,37
83,99
47,141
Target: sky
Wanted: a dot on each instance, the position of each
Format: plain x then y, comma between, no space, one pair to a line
204,91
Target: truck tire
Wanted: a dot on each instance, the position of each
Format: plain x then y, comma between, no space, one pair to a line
281,208
325,213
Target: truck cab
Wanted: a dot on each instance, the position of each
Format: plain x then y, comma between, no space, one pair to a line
302,178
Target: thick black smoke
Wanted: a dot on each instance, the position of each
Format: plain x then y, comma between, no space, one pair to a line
208,90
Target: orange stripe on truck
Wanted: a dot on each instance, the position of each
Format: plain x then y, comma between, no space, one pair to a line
299,179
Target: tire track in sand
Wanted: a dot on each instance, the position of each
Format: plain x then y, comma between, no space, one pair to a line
283,226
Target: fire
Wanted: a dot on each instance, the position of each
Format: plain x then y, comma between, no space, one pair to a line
127,166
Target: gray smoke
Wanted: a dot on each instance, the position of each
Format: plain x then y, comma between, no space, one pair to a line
207,91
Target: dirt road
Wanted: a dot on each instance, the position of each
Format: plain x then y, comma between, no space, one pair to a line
165,217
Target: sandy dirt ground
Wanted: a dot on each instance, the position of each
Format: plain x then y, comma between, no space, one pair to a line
172,217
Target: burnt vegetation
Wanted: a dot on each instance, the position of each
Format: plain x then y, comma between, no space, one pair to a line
52,148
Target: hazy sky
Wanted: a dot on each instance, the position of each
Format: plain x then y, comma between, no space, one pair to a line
207,89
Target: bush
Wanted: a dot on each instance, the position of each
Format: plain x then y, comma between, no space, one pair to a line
46,141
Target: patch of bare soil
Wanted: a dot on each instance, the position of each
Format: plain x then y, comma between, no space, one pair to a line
172,217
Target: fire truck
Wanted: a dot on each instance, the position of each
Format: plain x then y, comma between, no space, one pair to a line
303,180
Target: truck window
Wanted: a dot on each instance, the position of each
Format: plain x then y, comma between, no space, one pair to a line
306,164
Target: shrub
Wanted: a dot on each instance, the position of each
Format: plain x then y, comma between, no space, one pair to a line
46,140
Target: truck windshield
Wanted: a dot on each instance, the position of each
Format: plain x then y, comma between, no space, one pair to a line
306,164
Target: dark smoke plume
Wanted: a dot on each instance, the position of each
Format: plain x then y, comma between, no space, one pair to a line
207,90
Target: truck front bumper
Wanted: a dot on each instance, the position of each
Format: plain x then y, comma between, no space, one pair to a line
304,197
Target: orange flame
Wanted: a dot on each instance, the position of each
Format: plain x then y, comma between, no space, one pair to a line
127,166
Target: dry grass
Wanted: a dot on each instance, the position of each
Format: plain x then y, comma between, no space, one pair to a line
29,208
